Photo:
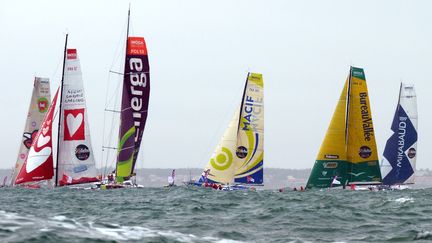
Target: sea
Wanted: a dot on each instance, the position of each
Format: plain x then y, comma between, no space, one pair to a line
181,214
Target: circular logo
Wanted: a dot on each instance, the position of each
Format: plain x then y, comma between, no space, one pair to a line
223,160
241,152
42,104
411,153
82,152
365,152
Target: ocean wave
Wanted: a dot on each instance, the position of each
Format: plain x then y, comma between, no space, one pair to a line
64,227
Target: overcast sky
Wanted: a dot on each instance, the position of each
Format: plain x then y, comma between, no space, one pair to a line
200,53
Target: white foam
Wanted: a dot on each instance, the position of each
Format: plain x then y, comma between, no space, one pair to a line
404,199
59,218
426,235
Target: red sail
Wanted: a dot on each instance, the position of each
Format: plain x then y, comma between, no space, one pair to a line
39,162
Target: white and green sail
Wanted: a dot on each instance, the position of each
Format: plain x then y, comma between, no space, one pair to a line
239,156
348,153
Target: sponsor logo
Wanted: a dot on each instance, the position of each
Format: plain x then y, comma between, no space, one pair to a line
82,152
71,54
80,168
401,140
331,156
137,85
356,174
324,173
411,153
42,104
222,161
365,152
241,152
252,108
330,165
29,137
368,131
74,125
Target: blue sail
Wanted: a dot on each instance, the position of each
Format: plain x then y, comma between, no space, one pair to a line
400,149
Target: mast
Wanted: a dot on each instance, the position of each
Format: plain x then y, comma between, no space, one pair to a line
127,37
347,116
241,104
60,107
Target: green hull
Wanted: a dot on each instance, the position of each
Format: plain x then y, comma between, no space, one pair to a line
324,171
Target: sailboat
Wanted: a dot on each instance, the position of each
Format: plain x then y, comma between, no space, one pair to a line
237,161
399,158
39,104
133,113
348,154
75,162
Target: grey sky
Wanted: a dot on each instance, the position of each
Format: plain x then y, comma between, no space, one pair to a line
200,53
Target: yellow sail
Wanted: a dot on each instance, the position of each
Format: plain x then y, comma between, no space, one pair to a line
361,150
331,159
348,153
333,146
224,162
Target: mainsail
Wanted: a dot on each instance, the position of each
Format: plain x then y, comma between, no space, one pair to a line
76,163
348,152
399,162
135,100
39,162
240,152
39,105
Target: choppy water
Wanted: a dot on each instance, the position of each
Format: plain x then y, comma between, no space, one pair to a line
201,215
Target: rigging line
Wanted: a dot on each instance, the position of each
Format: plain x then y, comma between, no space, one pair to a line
223,118
137,72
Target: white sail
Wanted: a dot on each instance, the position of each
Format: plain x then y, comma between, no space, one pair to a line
76,163
223,163
238,158
39,104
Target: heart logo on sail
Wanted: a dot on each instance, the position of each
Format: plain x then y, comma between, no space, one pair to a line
74,122
35,159
42,140
45,130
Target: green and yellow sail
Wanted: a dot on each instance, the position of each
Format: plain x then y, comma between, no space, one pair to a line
348,152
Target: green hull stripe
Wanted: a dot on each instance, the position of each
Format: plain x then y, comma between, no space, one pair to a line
324,171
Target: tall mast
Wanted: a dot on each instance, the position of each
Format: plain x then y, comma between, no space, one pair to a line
400,91
127,37
60,108
127,30
347,116
241,104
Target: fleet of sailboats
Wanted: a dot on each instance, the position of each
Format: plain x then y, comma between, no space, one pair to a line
75,162
348,156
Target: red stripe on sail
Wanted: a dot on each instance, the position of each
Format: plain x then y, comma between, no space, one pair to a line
39,162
